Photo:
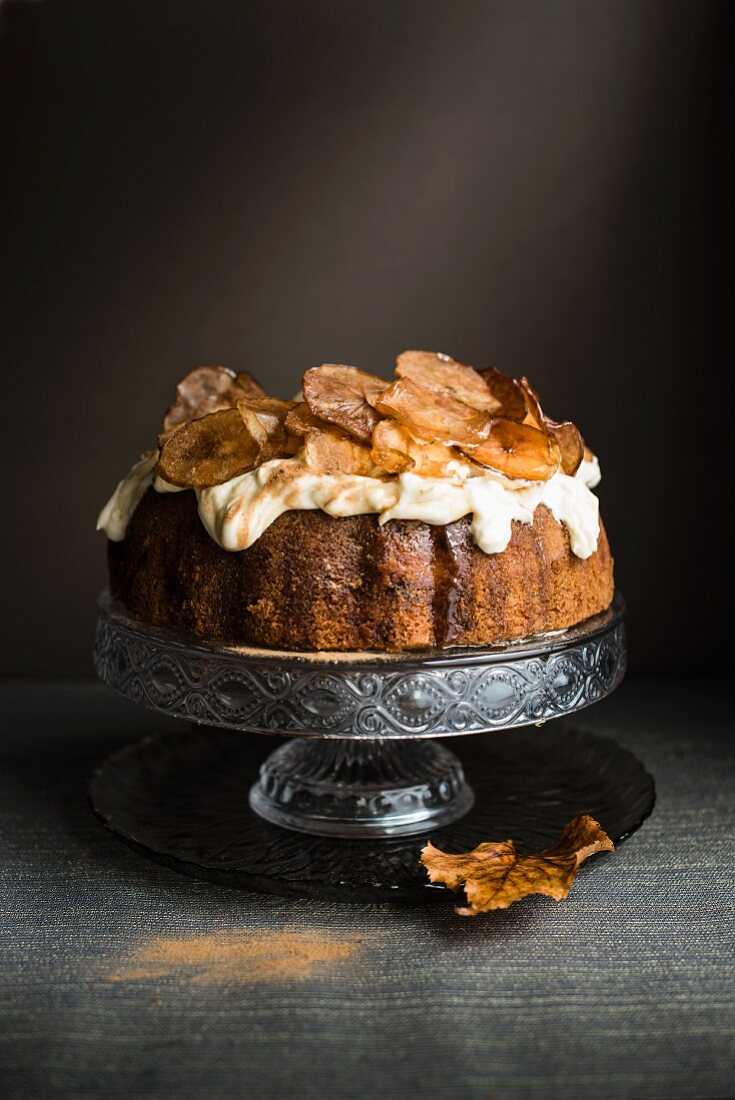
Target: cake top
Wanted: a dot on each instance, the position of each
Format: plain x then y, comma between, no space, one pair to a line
437,416
440,442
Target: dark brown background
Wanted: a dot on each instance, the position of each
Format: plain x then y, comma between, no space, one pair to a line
270,185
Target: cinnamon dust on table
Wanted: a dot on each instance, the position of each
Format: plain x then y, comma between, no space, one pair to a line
236,957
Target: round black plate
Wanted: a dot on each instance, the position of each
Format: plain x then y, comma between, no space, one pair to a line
182,799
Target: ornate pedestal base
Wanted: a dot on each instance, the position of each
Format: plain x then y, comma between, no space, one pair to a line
337,811
361,788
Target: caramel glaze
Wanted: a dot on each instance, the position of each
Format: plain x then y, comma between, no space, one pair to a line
448,561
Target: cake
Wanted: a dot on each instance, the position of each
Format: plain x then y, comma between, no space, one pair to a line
443,508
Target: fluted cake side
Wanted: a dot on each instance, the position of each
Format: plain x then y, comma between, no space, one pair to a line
316,582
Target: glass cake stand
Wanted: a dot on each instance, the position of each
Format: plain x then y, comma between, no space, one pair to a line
337,808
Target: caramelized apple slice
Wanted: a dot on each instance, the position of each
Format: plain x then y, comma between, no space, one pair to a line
433,416
344,396
248,386
391,445
395,450
507,392
565,434
208,451
300,420
534,412
330,451
199,392
435,459
517,450
264,417
570,442
440,372
205,390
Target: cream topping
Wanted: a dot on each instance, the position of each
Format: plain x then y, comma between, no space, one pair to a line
237,512
115,516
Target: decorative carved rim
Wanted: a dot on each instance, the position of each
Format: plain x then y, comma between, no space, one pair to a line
362,695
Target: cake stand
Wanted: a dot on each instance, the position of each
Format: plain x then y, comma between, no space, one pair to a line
340,809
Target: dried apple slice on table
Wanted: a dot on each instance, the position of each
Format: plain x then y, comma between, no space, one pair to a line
344,396
206,390
494,876
517,450
437,371
433,416
330,451
208,451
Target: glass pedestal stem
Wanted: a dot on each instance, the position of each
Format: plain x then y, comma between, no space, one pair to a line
361,788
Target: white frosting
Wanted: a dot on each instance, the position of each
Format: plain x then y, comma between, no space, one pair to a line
115,516
589,472
237,512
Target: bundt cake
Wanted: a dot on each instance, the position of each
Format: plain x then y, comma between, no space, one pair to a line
443,508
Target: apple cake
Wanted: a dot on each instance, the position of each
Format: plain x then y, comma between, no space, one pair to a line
442,508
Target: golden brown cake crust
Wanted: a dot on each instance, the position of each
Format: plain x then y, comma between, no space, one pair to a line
315,582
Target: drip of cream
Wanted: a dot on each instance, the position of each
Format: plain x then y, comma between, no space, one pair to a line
237,512
115,516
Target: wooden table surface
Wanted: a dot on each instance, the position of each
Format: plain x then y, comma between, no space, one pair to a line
121,978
